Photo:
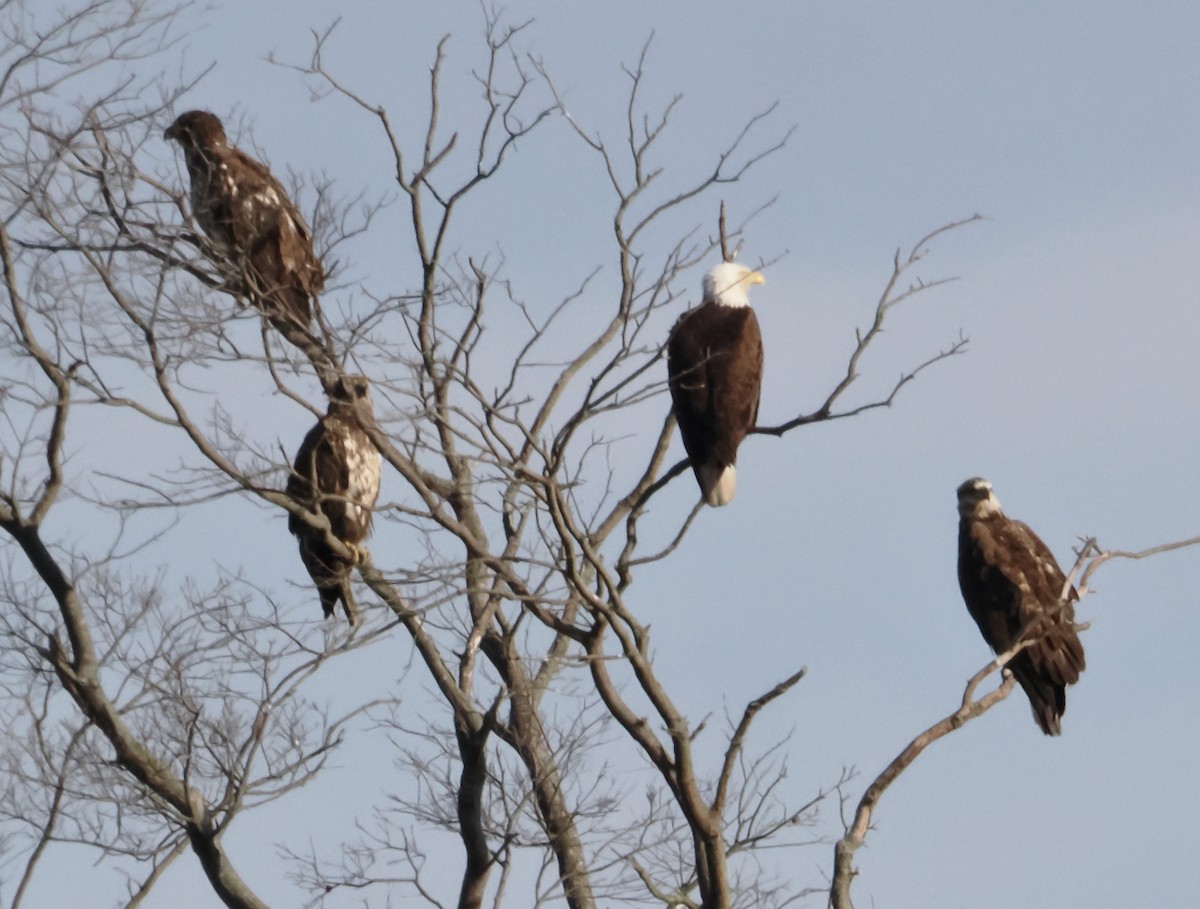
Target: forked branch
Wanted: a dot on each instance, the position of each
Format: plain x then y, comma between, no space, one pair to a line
892,296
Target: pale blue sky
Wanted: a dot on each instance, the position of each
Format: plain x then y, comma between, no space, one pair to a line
1074,127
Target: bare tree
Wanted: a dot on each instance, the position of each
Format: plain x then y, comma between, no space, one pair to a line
152,706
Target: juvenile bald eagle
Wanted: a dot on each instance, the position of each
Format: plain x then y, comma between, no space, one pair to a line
1010,583
715,363
336,474
250,219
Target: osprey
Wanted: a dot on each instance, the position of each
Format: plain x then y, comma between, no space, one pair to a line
336,474
1011,584
249,218
715,363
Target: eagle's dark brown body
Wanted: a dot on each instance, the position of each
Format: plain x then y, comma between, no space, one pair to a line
715,364
248,216
1011,582
336,474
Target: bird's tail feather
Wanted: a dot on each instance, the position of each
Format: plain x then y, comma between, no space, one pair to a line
339,591
718,483
1047,699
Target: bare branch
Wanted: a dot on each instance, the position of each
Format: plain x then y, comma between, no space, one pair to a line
892,296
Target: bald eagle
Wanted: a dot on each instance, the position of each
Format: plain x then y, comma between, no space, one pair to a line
715,363
250,219
336,474
1011,584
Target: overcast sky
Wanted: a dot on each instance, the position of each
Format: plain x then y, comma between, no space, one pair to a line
1074,128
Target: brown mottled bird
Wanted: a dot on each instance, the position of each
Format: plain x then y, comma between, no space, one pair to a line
249,218
715,364
336,474
1011,582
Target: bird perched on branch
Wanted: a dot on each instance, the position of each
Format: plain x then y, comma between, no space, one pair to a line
1014,589
250,219
336,475
715,363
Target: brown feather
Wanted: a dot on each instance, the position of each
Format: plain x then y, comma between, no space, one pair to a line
246,213
336,474
1011,584
715,363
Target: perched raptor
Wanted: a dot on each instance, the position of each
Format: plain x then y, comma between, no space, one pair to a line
715,364
1012,584
336,474
250,219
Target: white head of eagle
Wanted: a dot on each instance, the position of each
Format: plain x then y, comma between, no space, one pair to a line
728,284
714,364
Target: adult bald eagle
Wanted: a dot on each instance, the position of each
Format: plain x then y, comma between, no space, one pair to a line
1011,583
336,474
715,363
250,219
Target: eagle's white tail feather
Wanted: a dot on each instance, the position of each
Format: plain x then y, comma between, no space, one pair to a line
718,484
